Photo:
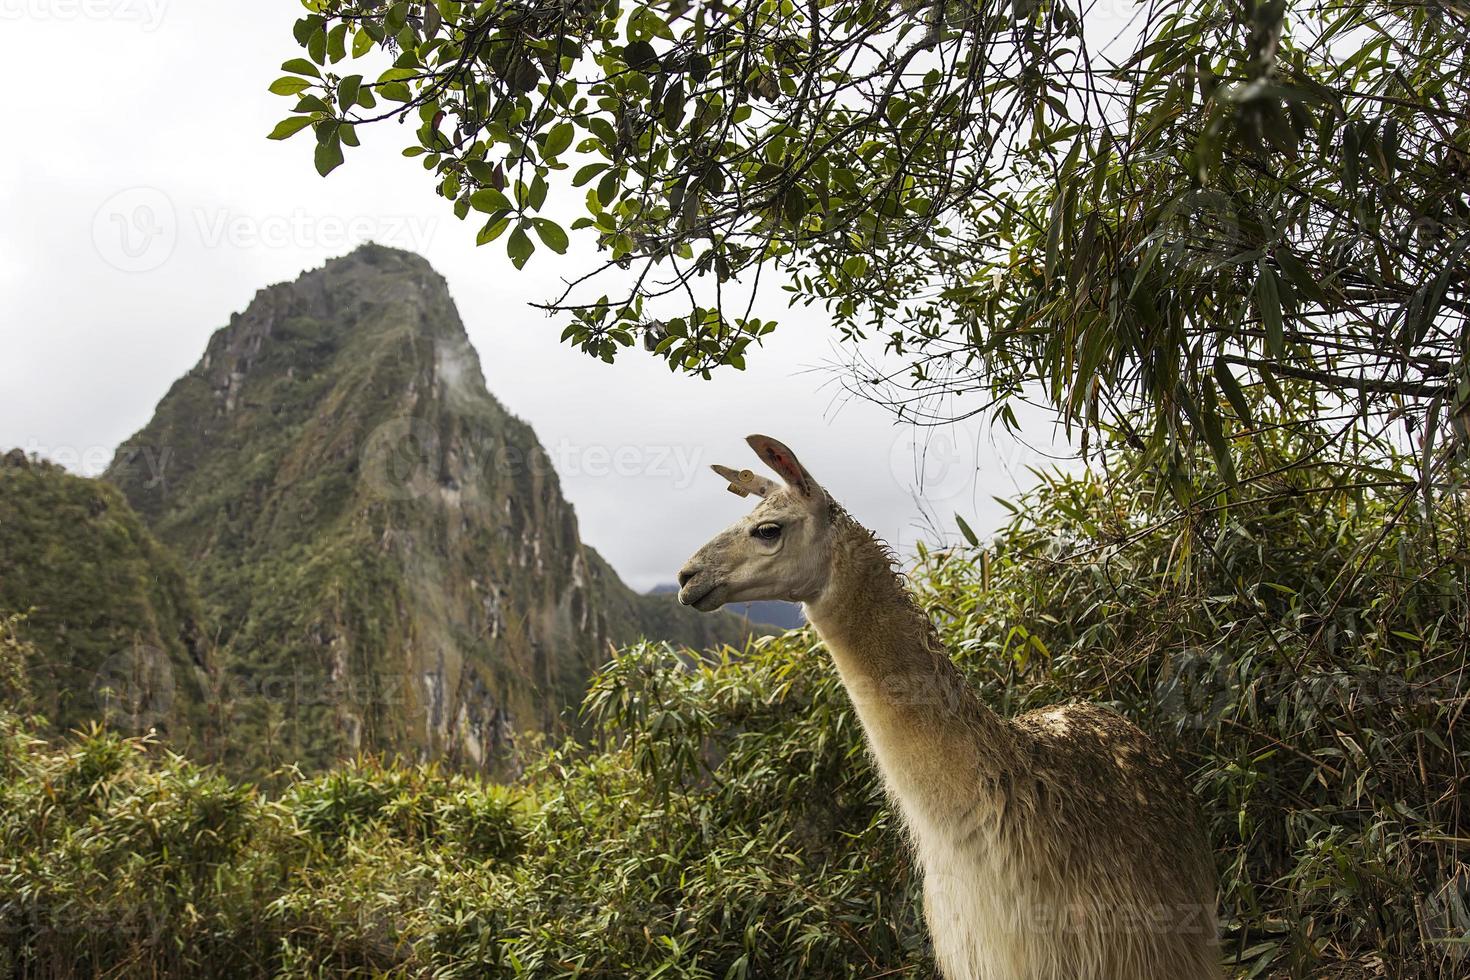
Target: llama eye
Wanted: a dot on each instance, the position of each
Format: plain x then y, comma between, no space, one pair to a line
767,532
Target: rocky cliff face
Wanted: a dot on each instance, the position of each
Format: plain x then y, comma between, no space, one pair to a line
385,550
117,631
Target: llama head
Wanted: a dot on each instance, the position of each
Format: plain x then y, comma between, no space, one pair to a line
780,550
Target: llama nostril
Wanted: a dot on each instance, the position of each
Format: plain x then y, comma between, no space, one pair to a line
684,576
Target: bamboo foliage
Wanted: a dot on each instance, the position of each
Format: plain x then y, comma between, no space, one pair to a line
1301,648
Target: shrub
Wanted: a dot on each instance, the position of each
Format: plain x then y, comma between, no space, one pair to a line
1299,642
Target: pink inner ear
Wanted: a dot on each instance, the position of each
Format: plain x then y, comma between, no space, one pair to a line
781,460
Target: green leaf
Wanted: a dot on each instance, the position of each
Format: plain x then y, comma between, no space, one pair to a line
301,66
347,91
795,205
489,200
558,140
397,16
329,155
673,107
519,246
551,234
304,28
640,56
1298,275
1268,300
337,42
316,46
287,128
586,173
395,92
604,132
1214,432
607,187
312,103
493,229
967,531
362,43
289,85
1233,392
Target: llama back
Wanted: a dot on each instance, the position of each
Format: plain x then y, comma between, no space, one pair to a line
1094,866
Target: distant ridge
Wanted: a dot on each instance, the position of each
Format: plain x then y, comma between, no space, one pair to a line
117,629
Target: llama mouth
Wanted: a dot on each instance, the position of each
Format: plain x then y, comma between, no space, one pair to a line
701,601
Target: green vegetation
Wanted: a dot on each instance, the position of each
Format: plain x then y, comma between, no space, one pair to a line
114,625
1125,207
1302,646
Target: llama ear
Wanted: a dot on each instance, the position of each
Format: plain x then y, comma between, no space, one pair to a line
743,483
784,462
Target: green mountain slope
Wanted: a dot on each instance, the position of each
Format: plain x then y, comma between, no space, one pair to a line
115,626
385,549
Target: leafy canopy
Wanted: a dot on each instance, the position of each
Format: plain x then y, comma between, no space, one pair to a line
1166,206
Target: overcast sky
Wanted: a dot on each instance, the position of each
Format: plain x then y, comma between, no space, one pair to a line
144,121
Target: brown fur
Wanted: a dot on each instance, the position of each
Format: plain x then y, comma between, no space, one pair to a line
1065,828
1060,845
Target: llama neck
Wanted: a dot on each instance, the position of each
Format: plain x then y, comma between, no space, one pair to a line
941,751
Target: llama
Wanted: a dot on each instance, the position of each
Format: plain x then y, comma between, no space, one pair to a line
1057,845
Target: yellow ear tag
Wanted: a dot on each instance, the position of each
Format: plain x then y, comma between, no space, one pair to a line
742,480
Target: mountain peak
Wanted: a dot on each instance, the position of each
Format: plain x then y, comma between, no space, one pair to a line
362,511
346,310
383,261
